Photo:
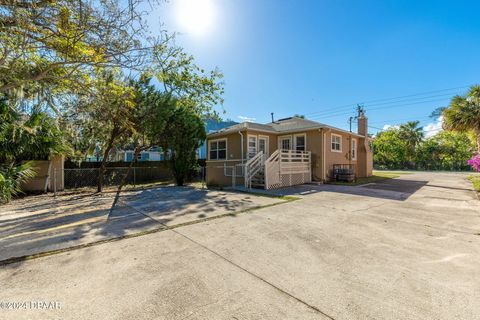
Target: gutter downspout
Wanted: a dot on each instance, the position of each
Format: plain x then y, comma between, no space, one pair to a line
241,151
324,148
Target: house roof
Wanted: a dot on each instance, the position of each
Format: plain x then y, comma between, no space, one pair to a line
286,125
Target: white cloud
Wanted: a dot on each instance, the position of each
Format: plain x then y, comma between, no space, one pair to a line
433,128
389,126
246,119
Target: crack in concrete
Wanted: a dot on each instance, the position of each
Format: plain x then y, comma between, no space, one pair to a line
414,223
310,306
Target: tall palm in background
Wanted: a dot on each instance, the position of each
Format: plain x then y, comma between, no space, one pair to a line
463,113
412,134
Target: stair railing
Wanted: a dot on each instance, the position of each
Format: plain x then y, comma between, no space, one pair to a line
252,167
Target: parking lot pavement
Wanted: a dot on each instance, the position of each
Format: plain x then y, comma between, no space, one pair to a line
38,224
334,254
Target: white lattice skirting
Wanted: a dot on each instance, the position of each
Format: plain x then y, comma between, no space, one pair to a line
291,179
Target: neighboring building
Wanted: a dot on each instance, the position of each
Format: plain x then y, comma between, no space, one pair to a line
286,152
154,154
213,126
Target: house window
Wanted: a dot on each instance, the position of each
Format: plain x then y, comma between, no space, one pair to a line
354,149
252,146
218,149
145,156
336,143
285,143
263,144
129,156
300,142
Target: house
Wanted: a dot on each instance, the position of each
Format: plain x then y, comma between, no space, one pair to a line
153,154
212,125
286,152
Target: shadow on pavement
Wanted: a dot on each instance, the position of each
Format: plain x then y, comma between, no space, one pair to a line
52,224
391,189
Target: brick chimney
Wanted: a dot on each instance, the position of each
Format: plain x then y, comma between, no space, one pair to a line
362,122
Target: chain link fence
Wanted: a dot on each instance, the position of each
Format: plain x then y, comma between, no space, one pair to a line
88,177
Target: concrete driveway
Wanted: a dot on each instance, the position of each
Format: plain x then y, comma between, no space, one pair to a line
403,249
36,225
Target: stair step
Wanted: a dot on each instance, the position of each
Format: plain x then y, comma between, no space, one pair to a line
258,185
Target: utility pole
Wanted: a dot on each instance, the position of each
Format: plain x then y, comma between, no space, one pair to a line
360,111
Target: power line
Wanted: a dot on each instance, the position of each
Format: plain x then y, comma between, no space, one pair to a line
404,119
381,129
412,99
419,94
416,100
390,99
378,108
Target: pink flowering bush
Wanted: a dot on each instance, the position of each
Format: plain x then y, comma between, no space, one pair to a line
475,162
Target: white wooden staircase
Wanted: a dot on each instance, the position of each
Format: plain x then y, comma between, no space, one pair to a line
282,169
254,171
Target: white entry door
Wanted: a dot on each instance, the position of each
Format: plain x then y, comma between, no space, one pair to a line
263,144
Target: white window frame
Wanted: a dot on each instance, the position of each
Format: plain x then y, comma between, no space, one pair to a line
210,148
304,135
289,137
267,144
249,156
354,151
331,142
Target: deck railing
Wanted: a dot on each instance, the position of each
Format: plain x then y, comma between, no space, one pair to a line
286,168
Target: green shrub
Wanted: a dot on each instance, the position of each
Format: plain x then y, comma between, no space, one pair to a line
11,178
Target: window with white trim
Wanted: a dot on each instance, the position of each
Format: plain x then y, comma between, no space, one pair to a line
354,149
336,142
300,142
285,143
218,149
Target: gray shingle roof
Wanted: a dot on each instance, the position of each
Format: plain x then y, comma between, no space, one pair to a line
294,124
286,125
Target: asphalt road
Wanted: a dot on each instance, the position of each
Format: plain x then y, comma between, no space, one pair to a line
407,248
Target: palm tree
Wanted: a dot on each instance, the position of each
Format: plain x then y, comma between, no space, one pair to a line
11,178
412,134
463,113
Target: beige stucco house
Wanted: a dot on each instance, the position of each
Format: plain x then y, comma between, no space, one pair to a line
285,152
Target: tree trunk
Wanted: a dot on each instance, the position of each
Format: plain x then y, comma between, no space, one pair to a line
124,179
102,169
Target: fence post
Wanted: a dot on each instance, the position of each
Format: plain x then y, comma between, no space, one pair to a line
55,182
204,176
134,177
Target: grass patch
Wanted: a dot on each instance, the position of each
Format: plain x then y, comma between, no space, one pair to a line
399,172
376,177
475,179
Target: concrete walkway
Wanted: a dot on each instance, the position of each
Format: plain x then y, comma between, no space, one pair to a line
403,249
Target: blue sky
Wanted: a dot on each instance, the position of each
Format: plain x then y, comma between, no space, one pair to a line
319,58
